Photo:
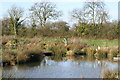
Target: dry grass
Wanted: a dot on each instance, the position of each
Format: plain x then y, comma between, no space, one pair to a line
102,53
56,48
90,51
31,49
77,47
113,53
110,74
5,39
107,52
59,48
24,53
28,52
7,57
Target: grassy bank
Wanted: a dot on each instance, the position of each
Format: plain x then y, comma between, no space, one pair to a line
31,49
92,42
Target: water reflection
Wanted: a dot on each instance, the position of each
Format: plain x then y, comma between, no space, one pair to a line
62,67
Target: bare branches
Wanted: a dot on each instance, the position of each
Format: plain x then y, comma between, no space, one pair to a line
15,15
91,9
102,16
92,12
44,11
79,15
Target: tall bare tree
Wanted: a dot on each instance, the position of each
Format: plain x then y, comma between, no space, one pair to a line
15,15
44,11
91,9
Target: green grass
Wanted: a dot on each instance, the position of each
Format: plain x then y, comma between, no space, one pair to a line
41,39
51,39
104,43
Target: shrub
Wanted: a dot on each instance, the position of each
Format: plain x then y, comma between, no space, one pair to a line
29,53
77,47
102,53
7,57
113,53
56,48
90,51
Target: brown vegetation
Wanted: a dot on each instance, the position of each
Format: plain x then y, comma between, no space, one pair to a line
29,50
110,75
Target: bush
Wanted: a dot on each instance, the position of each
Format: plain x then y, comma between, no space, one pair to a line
102,53
31,52
90,51
7,57
113,53
56,48
77,46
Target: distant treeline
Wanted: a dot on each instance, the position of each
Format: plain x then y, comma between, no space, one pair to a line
92,22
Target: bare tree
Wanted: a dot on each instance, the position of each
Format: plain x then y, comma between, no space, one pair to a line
79,15
33,21
44,11
91,9
103,16
15,15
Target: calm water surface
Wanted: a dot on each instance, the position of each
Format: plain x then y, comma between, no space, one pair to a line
65,67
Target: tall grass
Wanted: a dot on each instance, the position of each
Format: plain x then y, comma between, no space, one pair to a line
29,52
57,48
7,56
110,74
23,53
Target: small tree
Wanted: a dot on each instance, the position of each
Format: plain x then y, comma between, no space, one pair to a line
61,27
82,26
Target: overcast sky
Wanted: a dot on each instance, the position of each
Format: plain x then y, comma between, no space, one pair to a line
65,7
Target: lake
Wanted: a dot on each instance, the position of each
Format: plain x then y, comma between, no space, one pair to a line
63,67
